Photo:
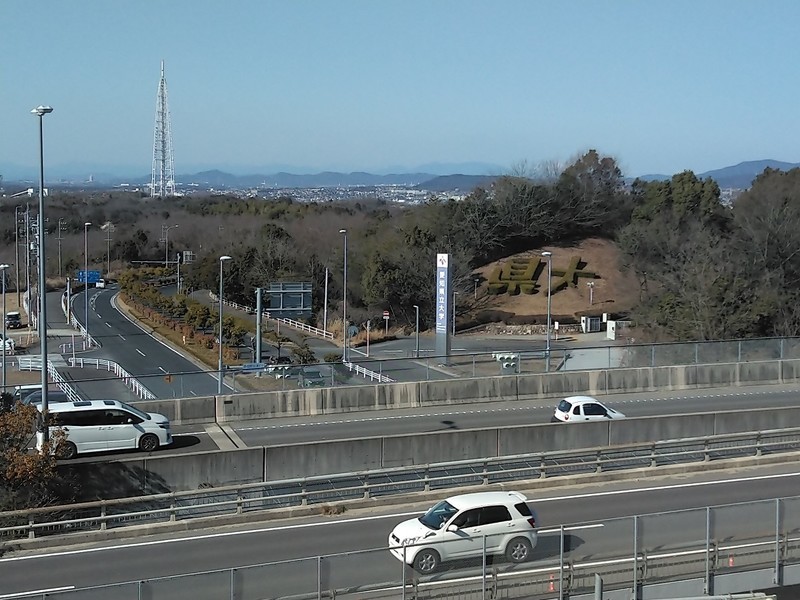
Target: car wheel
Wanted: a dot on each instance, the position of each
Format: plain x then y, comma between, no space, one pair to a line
66,450
427,561
519,550
148,443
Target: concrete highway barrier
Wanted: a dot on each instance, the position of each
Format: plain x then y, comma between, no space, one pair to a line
316,401
180,472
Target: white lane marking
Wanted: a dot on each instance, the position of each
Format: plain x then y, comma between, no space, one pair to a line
192,393
108,324
161,369
225,534
121,336
38,592
140,352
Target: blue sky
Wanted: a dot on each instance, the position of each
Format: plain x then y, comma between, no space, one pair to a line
384,85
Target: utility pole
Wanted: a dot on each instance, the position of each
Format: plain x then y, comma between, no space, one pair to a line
60,229
109,227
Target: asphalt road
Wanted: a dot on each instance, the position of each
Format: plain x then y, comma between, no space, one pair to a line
143,356
359,540
501,414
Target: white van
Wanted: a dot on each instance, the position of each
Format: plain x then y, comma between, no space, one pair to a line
102,425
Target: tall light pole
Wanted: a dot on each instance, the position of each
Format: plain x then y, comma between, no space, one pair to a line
344,300
548,256
16,249
166,243
222,260
416,320
60,229
3,275
41,111
86,280
591,292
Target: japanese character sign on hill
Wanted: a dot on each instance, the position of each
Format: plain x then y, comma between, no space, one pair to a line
522,275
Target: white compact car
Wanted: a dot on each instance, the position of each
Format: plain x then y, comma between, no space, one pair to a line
577,409
9,345
462,526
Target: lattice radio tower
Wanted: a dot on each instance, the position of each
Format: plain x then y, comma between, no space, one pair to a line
162,182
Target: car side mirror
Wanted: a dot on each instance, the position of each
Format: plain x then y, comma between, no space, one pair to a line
452,528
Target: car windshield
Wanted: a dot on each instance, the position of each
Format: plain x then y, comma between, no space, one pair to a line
437,516
136,411
564,406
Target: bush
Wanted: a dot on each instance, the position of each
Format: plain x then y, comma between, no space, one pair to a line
332,357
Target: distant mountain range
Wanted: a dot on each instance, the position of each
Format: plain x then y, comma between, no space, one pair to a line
738,176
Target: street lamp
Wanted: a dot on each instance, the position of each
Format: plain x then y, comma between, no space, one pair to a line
41,111
16,251
166,243
222,260
591,292
548,256
476,280
86,280
344,299
416,310
3,275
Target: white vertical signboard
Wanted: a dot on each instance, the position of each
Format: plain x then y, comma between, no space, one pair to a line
442,307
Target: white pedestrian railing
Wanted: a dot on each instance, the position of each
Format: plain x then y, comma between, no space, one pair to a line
29,363
367,374
88,338
62,383
112,367
290,322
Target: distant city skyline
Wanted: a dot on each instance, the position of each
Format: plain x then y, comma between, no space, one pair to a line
309,86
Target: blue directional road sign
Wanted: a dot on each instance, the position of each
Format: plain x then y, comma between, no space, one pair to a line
93,276
253,367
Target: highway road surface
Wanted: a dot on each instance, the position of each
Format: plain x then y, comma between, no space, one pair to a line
359,539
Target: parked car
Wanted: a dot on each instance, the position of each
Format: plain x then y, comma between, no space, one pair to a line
455,528
576,409
52,397
13,320
312,377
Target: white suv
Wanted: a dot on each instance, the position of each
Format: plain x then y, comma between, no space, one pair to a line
461,526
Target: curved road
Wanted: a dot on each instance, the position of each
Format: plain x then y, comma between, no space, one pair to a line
364,535
126,343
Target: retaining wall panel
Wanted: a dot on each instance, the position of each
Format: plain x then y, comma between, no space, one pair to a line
447,446
719,375
759,373
552,437
756,420
348,399
653,429
629,380
398,395
467,390
568,383
322,458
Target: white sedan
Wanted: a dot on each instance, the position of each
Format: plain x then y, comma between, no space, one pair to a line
576,409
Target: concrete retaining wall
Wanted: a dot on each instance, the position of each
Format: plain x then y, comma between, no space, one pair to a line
191,471
317,401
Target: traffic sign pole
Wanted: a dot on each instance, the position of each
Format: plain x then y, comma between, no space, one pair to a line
386,322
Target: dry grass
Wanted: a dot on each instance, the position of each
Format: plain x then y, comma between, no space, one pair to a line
614,291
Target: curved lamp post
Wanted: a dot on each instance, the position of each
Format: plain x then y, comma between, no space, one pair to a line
41,111
222,260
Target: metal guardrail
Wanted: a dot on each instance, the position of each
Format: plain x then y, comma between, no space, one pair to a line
237,500
62,383
100,363
29,363
88,338
367,374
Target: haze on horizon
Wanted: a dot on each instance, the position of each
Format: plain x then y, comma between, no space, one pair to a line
308,86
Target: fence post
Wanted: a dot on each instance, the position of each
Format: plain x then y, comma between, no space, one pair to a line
635,594
776,574
707,582
483,569
319,578
561,563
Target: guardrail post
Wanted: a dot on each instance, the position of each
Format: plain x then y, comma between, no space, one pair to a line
485,473
303,495
103,517
366,487
426,481
706,454
653,459
542,468
758,443
598,465
172,510
239,502
31,530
